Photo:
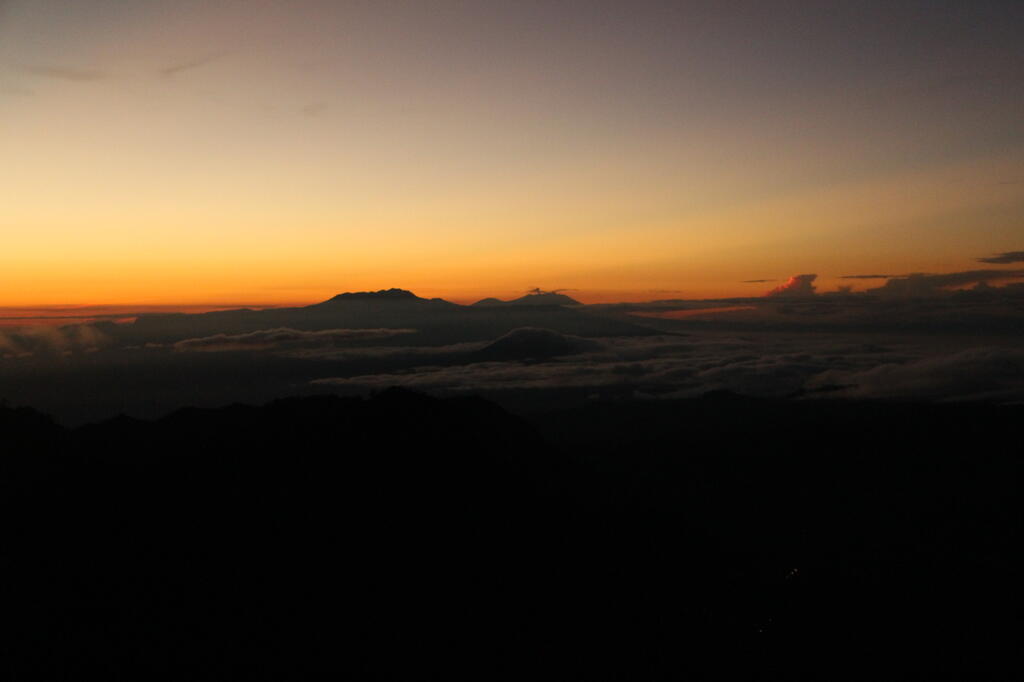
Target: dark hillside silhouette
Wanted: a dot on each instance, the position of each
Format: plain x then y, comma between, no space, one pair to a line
405,537
529,343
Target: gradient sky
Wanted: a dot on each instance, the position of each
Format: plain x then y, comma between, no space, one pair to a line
202,151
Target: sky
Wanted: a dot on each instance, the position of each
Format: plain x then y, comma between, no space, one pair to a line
173,152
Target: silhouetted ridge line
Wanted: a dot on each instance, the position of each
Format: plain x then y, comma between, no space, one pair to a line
436,321
531,343
381,295
545,298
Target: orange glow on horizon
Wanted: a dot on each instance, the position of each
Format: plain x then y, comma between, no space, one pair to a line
221,154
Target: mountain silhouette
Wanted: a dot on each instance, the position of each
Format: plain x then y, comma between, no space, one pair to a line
529,343
382,295
542,298
435,320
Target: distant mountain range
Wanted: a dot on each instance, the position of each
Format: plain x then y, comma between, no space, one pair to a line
435,320
382,295
533,299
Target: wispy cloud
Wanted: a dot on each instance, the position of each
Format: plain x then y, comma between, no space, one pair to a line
868,276
172,70
65,73
758,281
924,284
16,90
1004,258
314,108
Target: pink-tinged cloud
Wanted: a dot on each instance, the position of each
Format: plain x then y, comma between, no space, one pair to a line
795,286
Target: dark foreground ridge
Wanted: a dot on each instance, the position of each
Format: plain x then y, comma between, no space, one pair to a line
409,538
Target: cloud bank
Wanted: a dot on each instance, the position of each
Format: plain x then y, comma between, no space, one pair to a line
652,366
827,366
35,341
284,339
972,374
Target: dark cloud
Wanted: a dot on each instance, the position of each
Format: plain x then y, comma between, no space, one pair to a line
797,286
868,276
1004,258
65,73
284,339
41,340
923,284
758,281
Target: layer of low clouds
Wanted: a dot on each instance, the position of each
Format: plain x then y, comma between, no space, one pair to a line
284,339
526,344
541,367
973,374
953,346
660,365
38,341
779,366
